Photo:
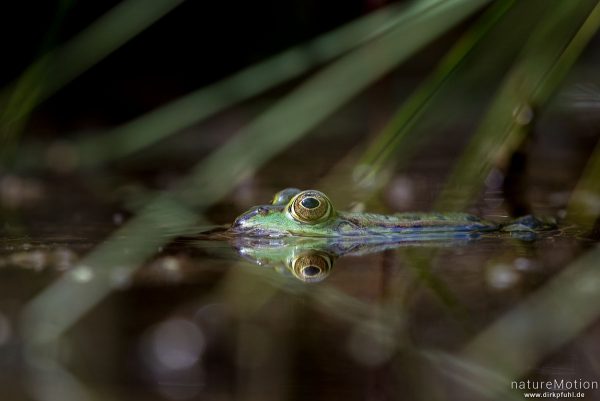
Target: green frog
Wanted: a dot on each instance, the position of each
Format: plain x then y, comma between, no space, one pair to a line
310,213
300,232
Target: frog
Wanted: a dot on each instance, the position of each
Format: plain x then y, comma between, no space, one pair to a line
310,213
302,234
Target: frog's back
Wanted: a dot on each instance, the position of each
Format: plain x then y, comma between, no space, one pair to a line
410,223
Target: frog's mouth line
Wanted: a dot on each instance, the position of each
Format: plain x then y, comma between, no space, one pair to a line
403,234
257,232
262,232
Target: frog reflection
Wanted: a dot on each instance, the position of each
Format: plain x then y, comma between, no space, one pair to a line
308,261
309,265
311,259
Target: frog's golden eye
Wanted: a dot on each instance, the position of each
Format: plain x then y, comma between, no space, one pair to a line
310,207
311,266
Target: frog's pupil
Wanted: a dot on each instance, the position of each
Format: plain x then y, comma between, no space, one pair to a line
310,203
311,271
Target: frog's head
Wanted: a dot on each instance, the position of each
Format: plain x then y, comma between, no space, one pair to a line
292,212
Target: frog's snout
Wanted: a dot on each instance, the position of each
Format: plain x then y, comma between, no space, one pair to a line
237,223
245,217
240,221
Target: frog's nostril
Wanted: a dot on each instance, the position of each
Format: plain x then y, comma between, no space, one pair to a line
238,222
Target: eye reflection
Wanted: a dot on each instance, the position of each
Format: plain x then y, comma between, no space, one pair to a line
311,266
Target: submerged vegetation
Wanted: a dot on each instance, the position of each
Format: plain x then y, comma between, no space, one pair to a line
512,55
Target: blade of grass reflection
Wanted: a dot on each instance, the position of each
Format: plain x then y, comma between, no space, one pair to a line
547,57
66,63
48,380
263,365
327,298
514,344
584,205
214,176
62,303
247,293
248,288
421,262
479,379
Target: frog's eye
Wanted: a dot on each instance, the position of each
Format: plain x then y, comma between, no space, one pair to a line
312,266
310,207
283,197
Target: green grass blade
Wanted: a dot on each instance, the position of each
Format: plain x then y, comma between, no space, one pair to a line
472,66
57,68
548,55
395,132
254,80
584,205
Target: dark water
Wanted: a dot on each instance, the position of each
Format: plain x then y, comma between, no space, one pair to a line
197,321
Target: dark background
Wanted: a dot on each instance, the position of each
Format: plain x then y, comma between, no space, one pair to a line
195,44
